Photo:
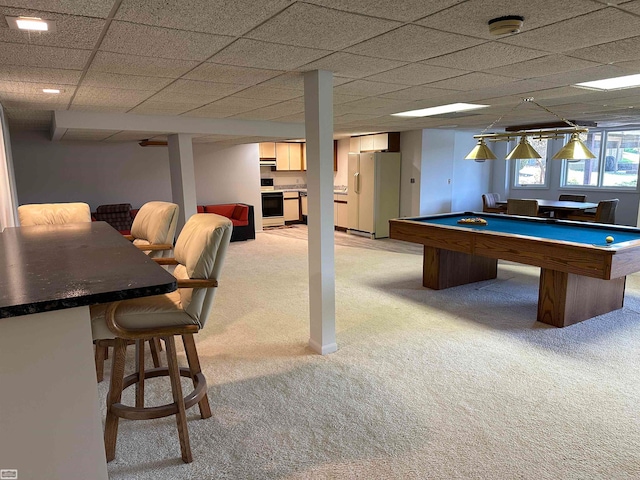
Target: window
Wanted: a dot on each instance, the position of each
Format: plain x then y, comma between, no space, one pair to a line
616,165
532,172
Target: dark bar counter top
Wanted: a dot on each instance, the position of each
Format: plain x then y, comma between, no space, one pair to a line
52,267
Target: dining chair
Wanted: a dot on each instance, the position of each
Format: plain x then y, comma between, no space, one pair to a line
524,207
199,256
53,213
153,231
572,198
604,213
489,203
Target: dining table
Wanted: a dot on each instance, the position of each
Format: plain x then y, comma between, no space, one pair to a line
50,275
558,208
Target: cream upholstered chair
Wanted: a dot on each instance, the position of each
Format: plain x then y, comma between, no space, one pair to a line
199,255
153,231
489,203
154,228
522,207
53,213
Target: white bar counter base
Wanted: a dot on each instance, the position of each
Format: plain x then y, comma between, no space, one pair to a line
42,443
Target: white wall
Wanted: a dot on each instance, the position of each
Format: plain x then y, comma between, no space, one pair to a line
228,175
92,172
101,173
470,179
411,149
436,171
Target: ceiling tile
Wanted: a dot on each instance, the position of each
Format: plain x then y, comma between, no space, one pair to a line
629,6
353,66
100,108
51,76
41,56
260,92
485,56
109,96
367,88
405,11
32,92
305,25
419,93
195,92
253,53
136,39
543,66
472,17
416,74
71,31
210,16
273,111
231,105
292,118
111,62
612,52
472,81
585,75
155,107
594,28
412,43
214,72
131,82
295,81
85,8
339,98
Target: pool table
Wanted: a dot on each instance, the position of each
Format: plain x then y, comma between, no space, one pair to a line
581,274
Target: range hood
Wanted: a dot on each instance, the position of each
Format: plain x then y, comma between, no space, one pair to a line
267,162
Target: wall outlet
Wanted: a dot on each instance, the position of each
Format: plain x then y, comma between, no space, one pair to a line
413,180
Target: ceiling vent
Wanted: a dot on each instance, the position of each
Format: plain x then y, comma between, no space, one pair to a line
506,25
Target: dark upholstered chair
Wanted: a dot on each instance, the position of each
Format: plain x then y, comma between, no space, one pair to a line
118,215
527,208
489,204
572,198
199,256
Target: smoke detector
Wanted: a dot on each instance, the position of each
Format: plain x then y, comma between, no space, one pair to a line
506,25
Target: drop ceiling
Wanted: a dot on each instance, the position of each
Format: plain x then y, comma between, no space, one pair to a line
245,59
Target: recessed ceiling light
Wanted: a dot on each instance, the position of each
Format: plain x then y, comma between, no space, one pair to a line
50,90
31,24
451,108
616,83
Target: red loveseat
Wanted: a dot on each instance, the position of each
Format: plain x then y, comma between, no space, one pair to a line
240,214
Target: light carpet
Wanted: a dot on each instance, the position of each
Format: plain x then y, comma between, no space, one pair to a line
461,383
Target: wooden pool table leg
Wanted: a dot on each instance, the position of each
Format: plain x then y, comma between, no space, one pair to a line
566,298
445,268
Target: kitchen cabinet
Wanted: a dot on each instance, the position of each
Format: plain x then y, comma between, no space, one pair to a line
335,156
340,211
291,207
304,205
288,156
267,150
374,192
379,142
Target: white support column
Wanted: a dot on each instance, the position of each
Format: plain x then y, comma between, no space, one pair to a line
318,107
183,179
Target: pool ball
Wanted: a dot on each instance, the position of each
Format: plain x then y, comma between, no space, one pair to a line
609,239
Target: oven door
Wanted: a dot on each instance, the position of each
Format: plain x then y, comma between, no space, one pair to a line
272,204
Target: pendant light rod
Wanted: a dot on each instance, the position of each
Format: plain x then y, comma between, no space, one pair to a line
555,133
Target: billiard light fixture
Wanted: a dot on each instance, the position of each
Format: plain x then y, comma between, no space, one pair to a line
573,150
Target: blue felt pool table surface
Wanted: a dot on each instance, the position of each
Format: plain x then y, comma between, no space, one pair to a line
548,229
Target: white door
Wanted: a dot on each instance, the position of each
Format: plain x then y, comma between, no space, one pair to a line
366,206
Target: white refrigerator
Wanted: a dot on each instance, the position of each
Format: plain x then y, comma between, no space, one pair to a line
374,192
